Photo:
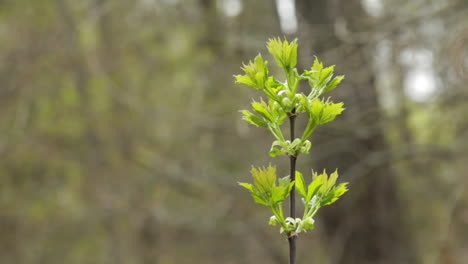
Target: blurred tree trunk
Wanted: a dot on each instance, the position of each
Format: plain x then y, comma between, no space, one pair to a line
367,226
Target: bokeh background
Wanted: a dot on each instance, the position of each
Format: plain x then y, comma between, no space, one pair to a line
121,140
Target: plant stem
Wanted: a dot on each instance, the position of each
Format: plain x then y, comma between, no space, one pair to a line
292,203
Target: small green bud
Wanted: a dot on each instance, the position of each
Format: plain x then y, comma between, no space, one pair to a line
273,221
291,223
308,223
287,104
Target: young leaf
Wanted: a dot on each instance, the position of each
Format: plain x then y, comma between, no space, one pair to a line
315,111
316,68
285,53
325,76
277,112
243,79
260,199
330,111
290,187
332,85
334,194
320,79
300,184
273,84
279,194
314,186
285,181
324,188
256,73
253,119
261,108
332,179
248,186
323,112
264,178
256,195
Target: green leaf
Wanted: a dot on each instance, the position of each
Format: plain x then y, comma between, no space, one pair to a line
264,178
253,119
315,186
285,181
316,67
256,195
260,79
293,53
248,186
332,179
320,79
340,190
285,53
261,108
245,80
335,193
279,194
258,198
278,112
300,184
261,65
325,76
324,187
256,73
275,47
324,112
332,85
274,84
315,110
330,111
282,191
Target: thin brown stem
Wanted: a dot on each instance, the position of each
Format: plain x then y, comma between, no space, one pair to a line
292,202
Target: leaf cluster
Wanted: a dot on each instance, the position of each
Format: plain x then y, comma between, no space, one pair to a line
265,189
284,100
320,192
268,191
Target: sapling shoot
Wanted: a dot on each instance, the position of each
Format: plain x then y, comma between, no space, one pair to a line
285,101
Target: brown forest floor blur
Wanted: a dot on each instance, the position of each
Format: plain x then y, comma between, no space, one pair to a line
121,140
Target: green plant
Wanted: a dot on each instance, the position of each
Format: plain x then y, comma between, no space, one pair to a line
285,101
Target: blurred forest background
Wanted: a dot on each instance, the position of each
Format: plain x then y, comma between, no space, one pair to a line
121,140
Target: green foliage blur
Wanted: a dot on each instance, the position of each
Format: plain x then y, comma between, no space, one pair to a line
120,140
